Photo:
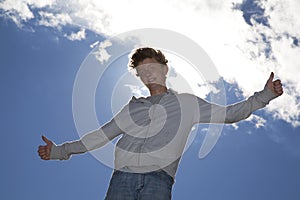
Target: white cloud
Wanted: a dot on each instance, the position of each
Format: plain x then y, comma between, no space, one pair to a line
135,90
18,11
257,120
253,119
54,20
237,49
39,3
21,10
80,35
235,126
284,16
101,54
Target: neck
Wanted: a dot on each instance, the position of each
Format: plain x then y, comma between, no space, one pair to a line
157,89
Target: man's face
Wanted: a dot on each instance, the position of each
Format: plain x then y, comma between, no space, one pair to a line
152,73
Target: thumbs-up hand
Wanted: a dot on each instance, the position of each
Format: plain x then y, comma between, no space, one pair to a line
274,86
44,151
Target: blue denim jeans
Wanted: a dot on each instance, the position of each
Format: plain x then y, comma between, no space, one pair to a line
155,185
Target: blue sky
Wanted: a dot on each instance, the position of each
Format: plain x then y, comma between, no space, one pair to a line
38,67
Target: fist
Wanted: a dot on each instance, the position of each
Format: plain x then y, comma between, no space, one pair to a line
274,86
44,151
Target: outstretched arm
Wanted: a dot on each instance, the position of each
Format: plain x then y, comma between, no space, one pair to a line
88,142
244,109
212,113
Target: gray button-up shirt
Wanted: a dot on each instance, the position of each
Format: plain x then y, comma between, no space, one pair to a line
155,129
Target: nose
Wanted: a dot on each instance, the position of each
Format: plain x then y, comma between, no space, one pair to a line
148,73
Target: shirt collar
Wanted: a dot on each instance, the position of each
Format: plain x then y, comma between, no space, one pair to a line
143,99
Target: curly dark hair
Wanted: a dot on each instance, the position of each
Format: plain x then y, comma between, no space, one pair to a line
141,54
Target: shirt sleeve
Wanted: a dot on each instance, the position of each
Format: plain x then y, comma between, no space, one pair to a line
88,142
213,113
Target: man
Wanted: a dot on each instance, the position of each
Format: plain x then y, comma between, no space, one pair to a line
154,130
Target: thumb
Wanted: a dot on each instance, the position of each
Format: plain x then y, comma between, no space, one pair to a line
48,142
270,80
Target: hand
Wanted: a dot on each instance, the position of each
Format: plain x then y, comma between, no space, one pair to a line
274,86
44,151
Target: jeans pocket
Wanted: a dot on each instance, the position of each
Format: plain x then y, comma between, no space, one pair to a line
165,177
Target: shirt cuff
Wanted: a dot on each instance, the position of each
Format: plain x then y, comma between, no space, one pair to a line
58,152
267,95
